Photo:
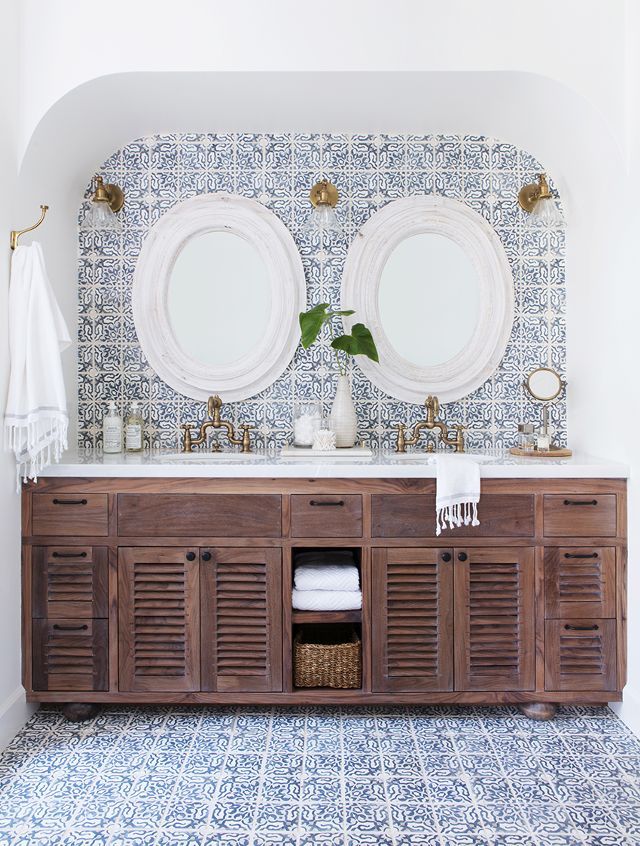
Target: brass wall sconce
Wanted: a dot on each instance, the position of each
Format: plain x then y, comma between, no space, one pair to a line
537,200
106,201
324,198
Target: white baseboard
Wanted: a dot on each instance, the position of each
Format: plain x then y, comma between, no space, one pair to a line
629,710
14,713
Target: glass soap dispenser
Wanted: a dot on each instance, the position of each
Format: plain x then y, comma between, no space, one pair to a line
133,429
112,430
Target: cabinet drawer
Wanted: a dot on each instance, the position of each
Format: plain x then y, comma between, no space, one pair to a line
580,654
69,581
580,582
70,654
326,516
576,515
201,515
72,514
414,516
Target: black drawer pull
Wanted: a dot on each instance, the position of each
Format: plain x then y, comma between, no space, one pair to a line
206,556
581,502
69,501
337,502
60,628
593,628
191,556
446,556
68,554
581,555
462,556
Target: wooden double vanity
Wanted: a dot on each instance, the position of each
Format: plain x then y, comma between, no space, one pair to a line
178,590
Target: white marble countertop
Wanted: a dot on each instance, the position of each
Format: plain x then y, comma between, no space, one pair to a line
494,464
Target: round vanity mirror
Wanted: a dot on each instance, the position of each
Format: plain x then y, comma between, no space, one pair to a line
207,275
217,291
543,384
430,274
430,278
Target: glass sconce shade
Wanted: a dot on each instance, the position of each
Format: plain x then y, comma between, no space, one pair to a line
100,218
323,220
545,215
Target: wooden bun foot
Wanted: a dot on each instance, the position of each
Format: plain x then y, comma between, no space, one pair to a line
78,712
538,710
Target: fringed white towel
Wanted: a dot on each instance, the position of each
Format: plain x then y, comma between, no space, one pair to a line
326,577
457,491
36,419
326,600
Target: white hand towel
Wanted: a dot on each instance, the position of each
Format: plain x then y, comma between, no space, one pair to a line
326,577
326,600
457,491
36,418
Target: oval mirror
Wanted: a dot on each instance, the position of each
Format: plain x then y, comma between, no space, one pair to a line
216,295
544,384
430,278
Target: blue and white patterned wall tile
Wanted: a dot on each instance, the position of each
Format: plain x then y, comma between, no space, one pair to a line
370,170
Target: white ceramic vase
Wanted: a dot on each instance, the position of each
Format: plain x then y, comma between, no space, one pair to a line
343,418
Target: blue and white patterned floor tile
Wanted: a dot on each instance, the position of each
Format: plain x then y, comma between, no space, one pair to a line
321,777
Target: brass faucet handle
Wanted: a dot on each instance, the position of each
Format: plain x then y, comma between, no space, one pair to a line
186,437
459,437
400,438
246,437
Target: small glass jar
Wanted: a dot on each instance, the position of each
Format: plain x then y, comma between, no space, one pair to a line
307,419
526,436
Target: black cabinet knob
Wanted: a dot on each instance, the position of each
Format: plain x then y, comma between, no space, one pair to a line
462,556
446,556
191,556
206,556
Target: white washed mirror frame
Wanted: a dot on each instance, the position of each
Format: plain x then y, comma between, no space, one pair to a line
271,354
366,259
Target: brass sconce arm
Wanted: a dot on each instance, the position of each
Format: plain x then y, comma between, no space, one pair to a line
214,421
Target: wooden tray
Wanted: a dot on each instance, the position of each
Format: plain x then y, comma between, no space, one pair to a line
554,452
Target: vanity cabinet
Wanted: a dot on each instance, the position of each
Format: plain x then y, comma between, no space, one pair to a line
453,619
179,590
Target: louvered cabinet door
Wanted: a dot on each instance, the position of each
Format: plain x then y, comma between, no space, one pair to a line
159,619
580,654
70,581
241,619
70,654
580,582
494,619
412,620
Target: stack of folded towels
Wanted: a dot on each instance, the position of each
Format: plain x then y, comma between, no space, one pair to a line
326,581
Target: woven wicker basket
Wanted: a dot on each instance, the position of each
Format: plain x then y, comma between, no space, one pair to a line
322,659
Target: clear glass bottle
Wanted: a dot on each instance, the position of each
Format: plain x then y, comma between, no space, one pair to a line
133,429
307,419
526,437
112,430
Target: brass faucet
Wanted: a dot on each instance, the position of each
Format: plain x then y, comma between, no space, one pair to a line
446,437
214,405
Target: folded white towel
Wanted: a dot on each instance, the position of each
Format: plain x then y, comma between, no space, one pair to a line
36,418
457,491
326,577
326,600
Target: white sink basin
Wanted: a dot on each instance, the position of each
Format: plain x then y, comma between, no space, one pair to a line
211,457
430,457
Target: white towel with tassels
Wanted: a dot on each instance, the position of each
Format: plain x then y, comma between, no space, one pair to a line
36,418
457,491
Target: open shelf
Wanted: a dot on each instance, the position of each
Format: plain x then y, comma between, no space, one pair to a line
326,616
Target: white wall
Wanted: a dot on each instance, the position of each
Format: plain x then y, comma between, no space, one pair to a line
13,710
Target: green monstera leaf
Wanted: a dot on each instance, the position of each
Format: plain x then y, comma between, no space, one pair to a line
312,321
359,342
